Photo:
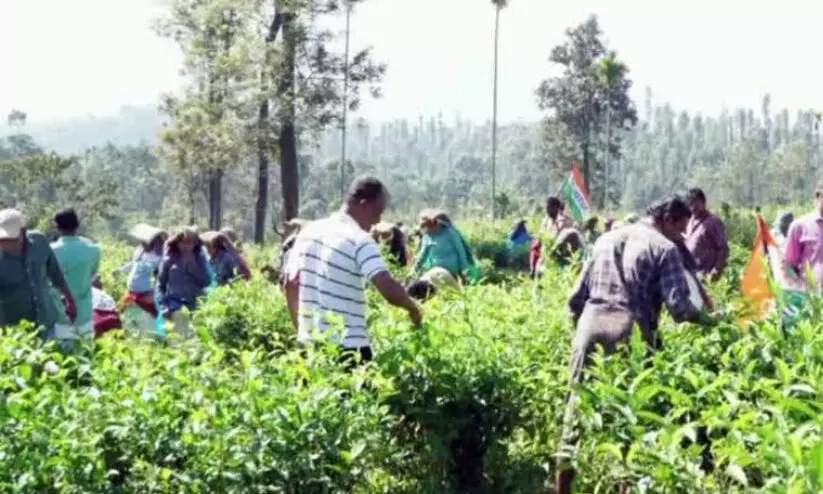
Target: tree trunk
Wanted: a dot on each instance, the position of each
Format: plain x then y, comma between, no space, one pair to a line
261,206
263,128
607,156
287,141
586,168
216,200
494,110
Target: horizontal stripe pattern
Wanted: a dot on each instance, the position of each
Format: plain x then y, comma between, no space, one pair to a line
333,258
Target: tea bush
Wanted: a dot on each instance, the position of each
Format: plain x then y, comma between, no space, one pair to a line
471,402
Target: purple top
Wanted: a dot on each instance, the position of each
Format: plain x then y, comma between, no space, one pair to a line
706,241
804,245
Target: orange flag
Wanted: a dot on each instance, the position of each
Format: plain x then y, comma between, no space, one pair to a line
580,180
755,283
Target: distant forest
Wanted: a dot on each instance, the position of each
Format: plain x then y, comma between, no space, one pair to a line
746,157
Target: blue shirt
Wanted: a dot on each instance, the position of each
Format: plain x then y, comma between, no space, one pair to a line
79,260
225,266
143,267
180,284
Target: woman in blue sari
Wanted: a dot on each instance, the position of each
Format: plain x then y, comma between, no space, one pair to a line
184,277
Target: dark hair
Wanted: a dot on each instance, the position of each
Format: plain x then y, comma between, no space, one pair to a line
554,202
397,246
421,290
156,244
696,194
673,208
66,220
367,189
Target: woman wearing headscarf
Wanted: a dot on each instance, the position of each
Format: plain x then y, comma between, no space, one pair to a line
443,246
184,277
226,262
231,234
392,236
520,236
590,230
609,224
143,270
786,277
106,316
780,229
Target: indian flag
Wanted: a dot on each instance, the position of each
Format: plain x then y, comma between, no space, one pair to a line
576,195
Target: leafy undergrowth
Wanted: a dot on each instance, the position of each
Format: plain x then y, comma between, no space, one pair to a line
471,402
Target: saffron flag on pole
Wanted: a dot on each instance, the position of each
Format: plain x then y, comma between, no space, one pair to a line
768,283
755,286
576,196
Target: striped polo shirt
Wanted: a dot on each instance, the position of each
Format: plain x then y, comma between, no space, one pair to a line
334,258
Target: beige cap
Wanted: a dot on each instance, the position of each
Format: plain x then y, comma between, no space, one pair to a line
11,224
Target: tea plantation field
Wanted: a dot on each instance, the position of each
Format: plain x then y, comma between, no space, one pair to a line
472,402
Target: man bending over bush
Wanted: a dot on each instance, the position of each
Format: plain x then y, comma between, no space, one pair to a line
327,270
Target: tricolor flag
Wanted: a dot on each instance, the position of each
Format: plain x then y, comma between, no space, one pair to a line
767,282
755,285
576,196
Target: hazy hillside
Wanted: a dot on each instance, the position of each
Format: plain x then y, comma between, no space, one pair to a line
131,126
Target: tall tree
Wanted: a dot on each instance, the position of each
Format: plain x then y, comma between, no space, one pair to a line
206,132
611,71
578,100
498,6
310,82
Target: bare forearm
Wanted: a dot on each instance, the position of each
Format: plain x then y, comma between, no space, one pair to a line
392,291
398,297
64,290
292,300
722,260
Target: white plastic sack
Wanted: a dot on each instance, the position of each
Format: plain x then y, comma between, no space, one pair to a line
695,296
144,233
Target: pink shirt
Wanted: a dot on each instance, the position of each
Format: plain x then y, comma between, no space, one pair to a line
804,245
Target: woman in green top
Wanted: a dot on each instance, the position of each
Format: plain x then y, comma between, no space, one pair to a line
442,246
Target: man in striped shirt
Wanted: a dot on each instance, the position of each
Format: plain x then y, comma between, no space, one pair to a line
327,269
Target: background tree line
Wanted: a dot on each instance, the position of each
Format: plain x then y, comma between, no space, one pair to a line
256,104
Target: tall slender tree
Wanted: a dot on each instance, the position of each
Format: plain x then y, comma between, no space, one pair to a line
611,70
344,122
498,6
577,99
310,82
205,135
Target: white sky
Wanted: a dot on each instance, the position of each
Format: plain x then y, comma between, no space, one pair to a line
61,58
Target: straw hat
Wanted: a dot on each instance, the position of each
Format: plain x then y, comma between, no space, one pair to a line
145,233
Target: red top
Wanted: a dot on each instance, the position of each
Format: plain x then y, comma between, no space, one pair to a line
534,255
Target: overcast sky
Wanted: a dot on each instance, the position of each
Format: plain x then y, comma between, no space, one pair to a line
61,58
